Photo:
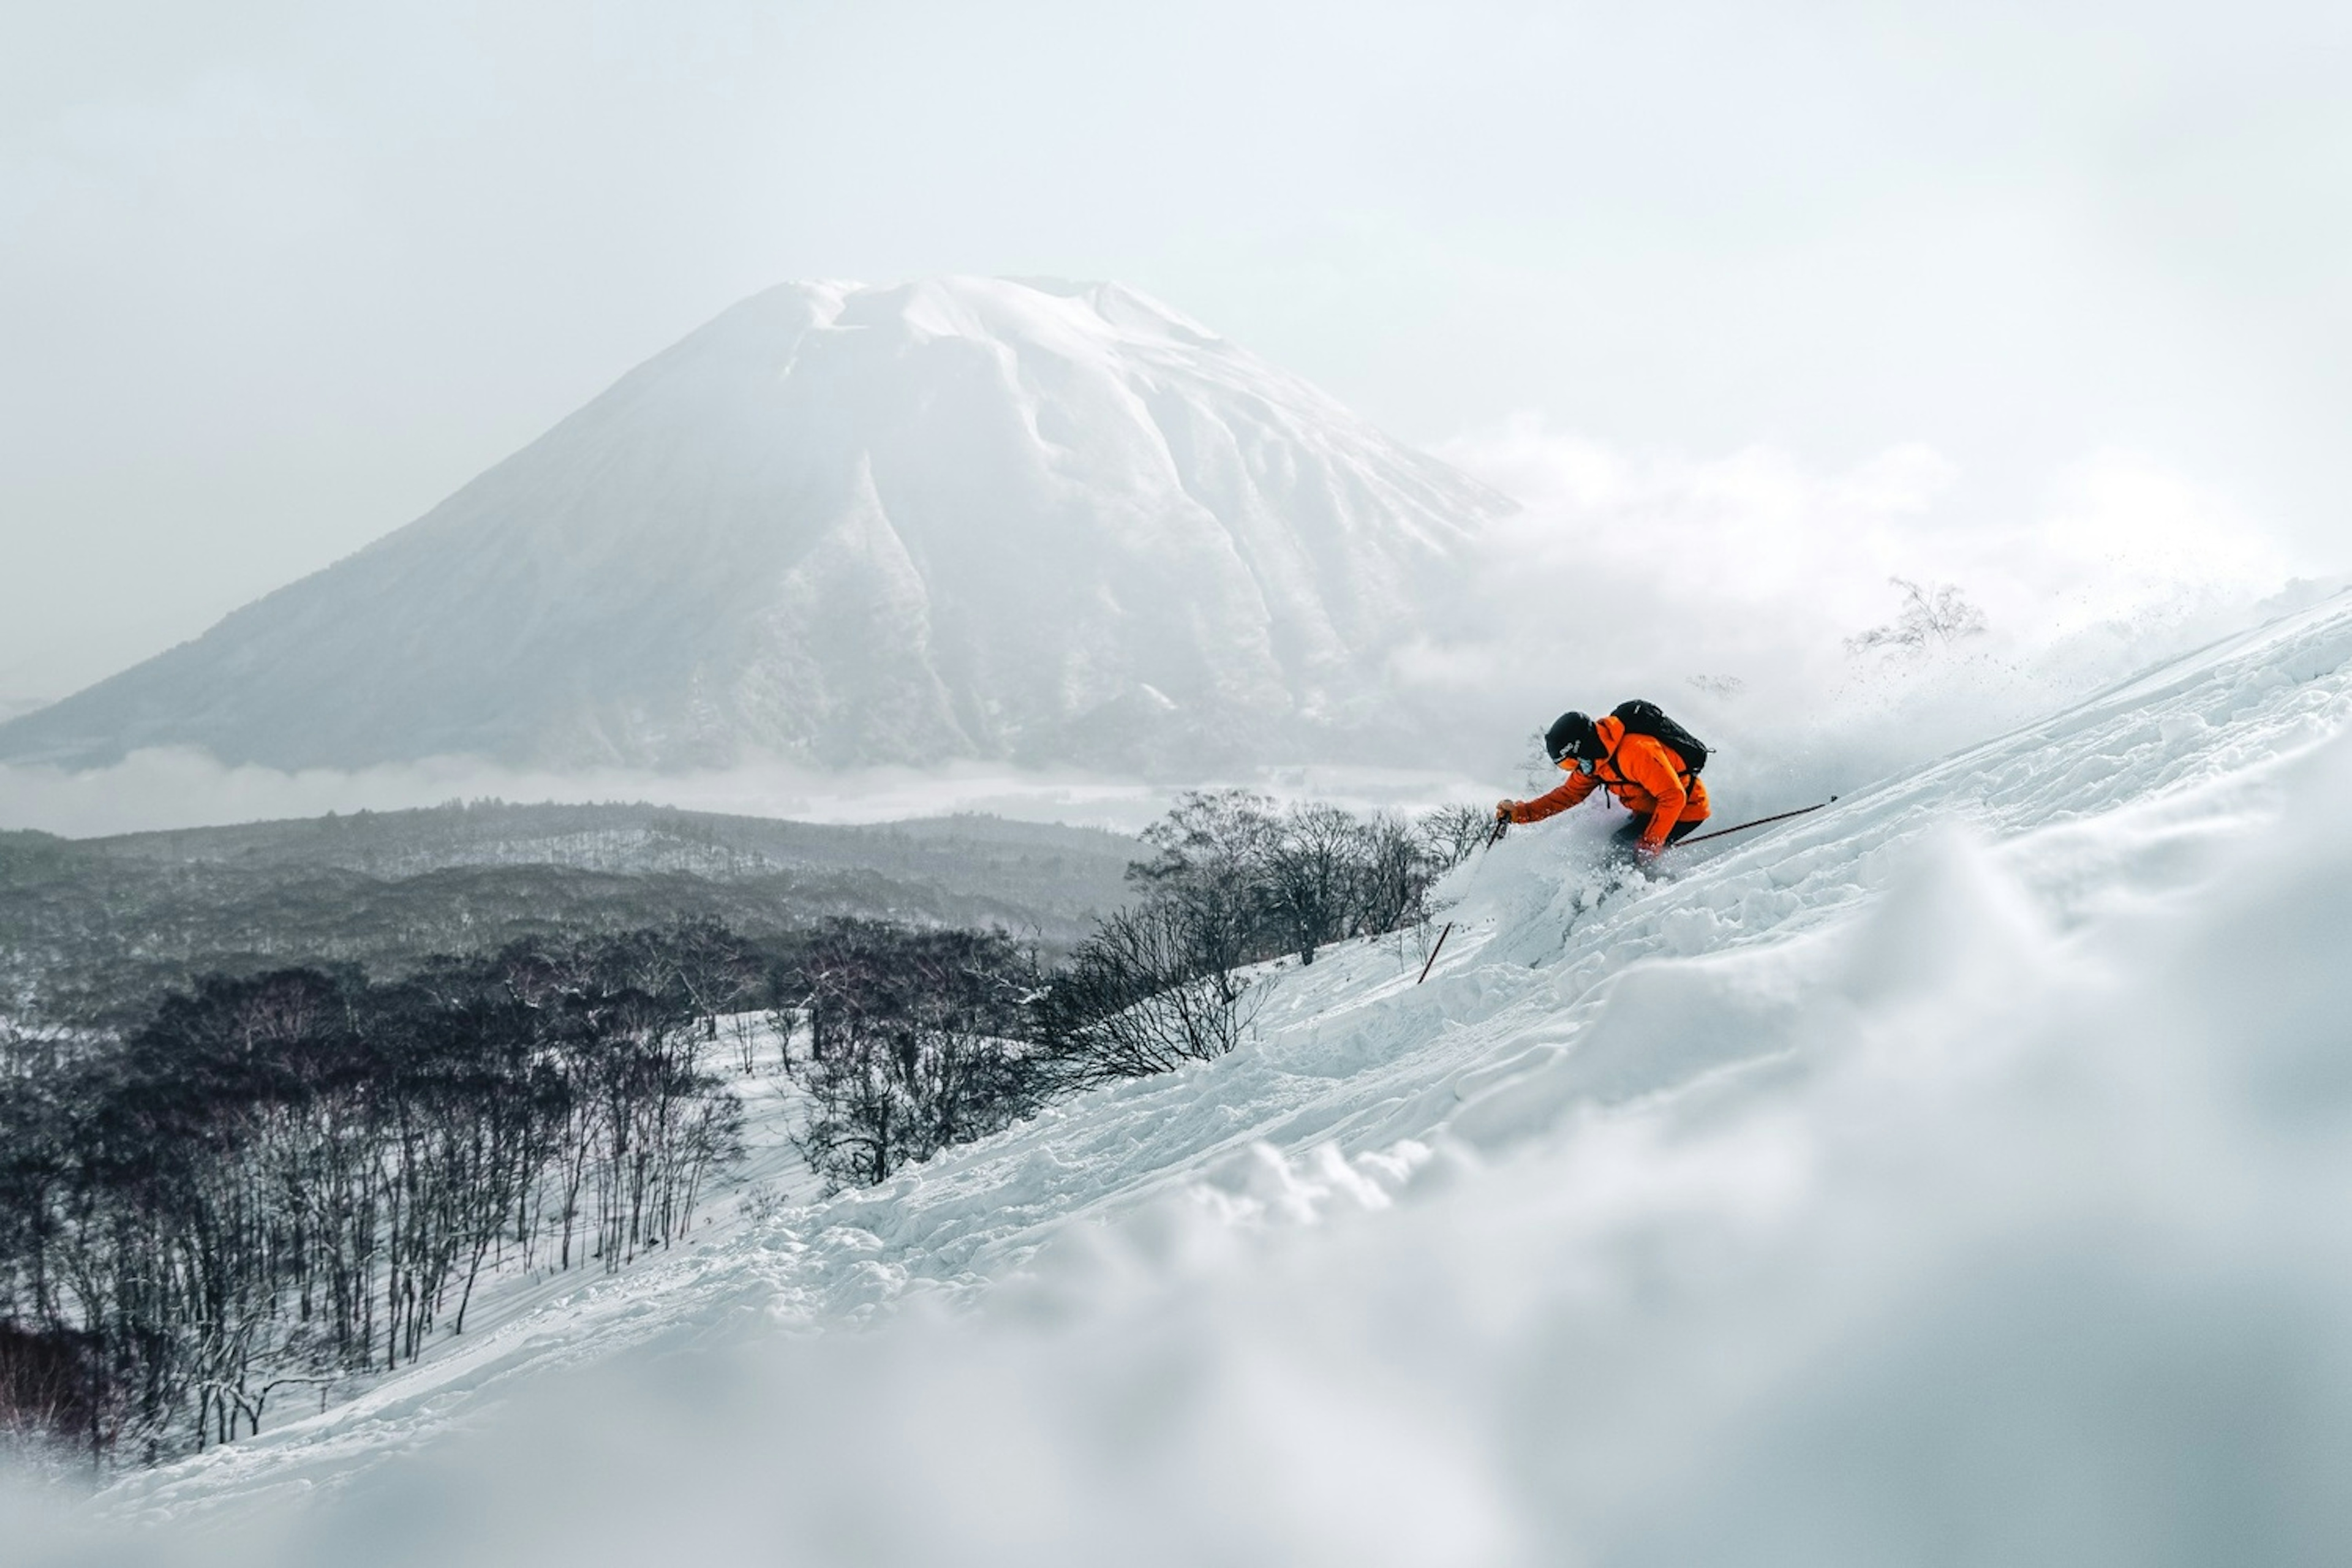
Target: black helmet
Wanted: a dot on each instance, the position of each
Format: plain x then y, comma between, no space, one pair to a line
1571,735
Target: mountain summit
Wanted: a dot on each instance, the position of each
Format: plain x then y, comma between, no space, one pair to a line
962,518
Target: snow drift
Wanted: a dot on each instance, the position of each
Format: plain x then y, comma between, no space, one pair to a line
1027,521
1953,1177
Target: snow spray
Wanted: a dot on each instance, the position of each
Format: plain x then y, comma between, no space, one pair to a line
1502,826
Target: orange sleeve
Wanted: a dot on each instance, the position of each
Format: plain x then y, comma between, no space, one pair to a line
1580,785
1645,761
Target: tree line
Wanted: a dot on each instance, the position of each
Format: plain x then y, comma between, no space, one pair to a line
283,1180
1234,881
899,1067
279,1181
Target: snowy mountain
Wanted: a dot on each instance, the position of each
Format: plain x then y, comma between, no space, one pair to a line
1952,1175
1042,522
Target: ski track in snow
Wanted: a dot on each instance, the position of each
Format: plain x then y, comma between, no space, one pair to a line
1356,1077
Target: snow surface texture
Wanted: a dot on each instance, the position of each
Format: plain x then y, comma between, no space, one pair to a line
967,517
1954,1176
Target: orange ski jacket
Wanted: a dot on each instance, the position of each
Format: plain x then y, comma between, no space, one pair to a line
1644,774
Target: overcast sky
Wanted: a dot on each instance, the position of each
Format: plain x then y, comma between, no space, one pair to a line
276,278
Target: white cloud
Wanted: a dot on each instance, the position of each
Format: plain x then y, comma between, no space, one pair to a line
1727,588
178,787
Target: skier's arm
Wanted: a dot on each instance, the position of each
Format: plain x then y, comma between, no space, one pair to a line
1580,785
1648,766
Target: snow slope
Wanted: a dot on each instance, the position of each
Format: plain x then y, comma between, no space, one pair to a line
1953,1177
964,518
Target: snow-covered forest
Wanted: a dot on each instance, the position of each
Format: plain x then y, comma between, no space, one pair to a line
289,1179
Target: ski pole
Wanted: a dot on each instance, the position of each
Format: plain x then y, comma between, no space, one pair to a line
1436,951
1742,828
1494,837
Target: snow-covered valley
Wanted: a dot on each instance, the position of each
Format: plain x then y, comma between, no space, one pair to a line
1953,1176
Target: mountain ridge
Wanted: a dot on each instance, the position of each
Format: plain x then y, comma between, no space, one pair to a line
839,525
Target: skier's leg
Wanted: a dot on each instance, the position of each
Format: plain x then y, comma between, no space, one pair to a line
1624,845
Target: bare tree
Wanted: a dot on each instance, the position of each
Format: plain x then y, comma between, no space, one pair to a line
917,1040
1450,833
1137,998
1938,616
1214,850
1311,877
1394,866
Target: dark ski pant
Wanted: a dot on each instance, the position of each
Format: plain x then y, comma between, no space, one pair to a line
1625,839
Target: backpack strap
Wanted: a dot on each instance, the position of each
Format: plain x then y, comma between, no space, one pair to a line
1683,773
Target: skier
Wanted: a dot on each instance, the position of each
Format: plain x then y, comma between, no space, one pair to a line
1638,754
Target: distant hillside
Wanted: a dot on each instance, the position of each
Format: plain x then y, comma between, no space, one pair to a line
113,920
1045,868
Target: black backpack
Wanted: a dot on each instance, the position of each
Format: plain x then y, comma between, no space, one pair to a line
1642,718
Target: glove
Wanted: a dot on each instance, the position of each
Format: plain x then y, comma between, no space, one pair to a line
1503,810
